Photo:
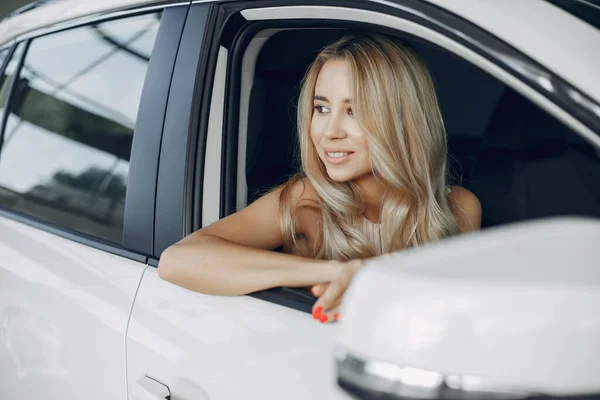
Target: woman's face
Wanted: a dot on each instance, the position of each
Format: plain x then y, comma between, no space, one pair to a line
334,130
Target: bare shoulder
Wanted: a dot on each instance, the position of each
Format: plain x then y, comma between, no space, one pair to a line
465,207
303,201
300,192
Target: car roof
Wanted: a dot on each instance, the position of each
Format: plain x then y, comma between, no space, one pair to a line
551,36
54,12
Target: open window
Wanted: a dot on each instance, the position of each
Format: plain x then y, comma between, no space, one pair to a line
522,161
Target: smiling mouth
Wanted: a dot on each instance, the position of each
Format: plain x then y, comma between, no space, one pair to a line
336,157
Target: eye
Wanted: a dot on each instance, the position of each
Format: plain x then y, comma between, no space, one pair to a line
321,109
349,111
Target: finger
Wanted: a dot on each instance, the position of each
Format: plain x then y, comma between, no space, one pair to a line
318,289
331,316
332,298
329,300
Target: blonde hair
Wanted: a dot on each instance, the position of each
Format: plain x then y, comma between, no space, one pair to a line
397,108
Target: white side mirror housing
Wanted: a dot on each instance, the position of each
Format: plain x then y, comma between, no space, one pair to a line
509,312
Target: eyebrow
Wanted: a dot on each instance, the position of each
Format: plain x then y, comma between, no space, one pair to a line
323,98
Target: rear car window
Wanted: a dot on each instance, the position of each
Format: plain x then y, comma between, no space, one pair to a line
72,115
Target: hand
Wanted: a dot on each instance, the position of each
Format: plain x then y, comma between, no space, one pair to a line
330,294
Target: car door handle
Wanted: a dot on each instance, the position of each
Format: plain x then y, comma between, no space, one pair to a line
153,389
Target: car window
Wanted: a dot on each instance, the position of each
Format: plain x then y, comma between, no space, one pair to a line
69,132
520,161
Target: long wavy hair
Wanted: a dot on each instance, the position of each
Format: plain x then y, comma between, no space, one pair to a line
396,106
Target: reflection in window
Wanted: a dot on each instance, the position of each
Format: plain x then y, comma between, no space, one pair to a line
69,133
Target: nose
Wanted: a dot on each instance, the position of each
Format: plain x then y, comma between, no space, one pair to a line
334,128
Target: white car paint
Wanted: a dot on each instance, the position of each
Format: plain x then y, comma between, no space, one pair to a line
64,309
75,302
549,35
517,303
217,347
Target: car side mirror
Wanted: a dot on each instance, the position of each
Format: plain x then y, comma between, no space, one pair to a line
507,313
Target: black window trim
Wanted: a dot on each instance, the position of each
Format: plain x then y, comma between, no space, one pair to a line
139,253
565,95
140,203
179,185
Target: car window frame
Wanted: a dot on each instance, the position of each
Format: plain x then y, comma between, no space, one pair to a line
427,15
9,48
141,188
181,167
11,85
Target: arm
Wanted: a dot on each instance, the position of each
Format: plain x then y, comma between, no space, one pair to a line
467,211
232,256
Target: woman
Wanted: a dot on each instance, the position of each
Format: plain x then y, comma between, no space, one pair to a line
373,180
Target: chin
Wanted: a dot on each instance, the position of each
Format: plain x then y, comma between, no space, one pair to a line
340,177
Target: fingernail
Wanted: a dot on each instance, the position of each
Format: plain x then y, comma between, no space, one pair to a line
317,312
323,318
336,316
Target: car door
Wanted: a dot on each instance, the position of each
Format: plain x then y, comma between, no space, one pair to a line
196,346
78,167
201,346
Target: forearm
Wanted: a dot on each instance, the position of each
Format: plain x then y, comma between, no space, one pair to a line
213,265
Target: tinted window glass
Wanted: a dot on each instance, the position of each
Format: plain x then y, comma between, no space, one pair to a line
69,133
532,166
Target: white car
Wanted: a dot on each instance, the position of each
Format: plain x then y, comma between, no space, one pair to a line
127,124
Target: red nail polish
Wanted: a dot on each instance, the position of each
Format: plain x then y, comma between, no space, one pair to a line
323,318
336,316
317,312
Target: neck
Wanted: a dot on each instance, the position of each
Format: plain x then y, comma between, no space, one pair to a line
371,192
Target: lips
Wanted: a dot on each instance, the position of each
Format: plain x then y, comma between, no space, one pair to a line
337,156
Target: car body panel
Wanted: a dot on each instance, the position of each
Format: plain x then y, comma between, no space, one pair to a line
64,308
227,347
544,32
518,304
